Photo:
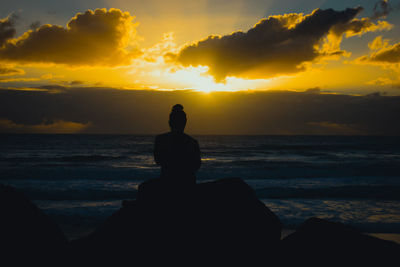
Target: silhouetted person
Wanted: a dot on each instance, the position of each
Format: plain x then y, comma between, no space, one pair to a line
177,153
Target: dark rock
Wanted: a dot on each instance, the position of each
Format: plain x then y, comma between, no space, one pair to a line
26,233
212,223
318,242
219,223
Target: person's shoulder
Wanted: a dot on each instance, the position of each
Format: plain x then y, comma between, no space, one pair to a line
163,134
190,139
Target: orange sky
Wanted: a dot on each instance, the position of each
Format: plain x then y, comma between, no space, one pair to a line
118,48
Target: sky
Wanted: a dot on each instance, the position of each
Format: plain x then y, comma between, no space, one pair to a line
238,67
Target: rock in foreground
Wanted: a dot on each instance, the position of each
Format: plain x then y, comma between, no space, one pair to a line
219,223
213,223
27,236
318,242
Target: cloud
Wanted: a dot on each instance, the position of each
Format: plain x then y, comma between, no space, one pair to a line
360,27
315,90
99,37
21,79
76,82
276,45
134,111
382,53
34,25
385,55
383,8
167,44
7,30
355,27
389,55
45,127
7,71
328,127
382,81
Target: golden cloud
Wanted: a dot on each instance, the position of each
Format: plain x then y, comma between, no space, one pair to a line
382,81
382,53
356,27
7,71
99,37
277,45
360,27
7,30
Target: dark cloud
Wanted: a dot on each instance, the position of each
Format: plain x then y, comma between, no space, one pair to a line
8,126
382,9
275,45
53,87
7,29
6,71
387,55
34,25
359,27
99,37
315,90
76,82
102,110
328,127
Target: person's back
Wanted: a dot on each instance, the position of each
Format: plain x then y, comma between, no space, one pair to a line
177,153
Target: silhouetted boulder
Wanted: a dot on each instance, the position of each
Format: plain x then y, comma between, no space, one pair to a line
219,222
27,235
318,242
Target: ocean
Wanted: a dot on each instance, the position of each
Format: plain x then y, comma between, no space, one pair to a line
80,180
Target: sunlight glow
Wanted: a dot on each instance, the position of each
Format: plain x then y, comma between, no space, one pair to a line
196,78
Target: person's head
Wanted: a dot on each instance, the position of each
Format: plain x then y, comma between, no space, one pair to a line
177,118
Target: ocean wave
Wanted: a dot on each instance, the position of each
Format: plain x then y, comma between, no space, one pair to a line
73,158
342,192
88,158
87,194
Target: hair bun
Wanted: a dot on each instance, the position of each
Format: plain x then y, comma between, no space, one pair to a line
177,108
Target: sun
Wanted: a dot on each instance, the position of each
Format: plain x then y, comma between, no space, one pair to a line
197,78
170,78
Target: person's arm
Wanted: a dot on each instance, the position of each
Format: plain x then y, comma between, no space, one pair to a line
157,152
